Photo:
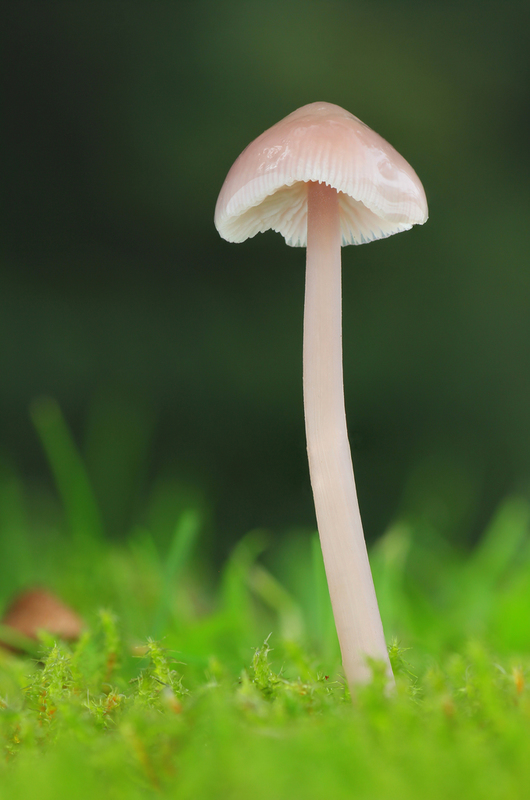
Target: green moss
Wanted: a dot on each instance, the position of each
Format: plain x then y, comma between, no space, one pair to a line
458,728
177,687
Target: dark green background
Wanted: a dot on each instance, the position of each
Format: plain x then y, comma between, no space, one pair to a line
176,357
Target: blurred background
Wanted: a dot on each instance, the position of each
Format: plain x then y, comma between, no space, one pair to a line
175,357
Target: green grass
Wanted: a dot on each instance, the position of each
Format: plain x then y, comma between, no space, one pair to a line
192,684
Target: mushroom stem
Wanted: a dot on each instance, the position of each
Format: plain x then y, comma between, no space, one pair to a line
350,583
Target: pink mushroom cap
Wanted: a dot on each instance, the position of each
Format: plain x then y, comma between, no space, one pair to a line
379,192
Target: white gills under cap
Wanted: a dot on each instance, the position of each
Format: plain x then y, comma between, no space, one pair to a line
379,192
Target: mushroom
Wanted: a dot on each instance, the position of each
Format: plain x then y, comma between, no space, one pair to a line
38,609
322,178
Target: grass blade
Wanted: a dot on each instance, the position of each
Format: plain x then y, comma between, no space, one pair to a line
68,471
185,536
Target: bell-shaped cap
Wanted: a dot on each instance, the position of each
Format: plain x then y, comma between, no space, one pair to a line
379,192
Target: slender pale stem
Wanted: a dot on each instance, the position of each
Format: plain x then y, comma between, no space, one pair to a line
351,587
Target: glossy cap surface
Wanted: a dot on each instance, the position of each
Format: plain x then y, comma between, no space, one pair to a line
379,192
